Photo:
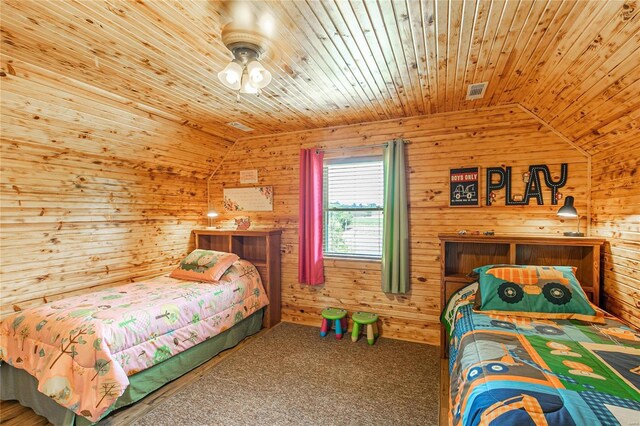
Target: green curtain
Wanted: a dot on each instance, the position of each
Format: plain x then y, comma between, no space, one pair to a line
395,239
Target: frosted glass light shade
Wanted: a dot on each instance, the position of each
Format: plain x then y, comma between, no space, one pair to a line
258,75
247,87
212,213
231,75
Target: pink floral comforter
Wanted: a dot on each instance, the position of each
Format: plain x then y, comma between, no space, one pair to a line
82,349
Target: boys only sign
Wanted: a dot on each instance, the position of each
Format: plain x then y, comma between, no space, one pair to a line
463,187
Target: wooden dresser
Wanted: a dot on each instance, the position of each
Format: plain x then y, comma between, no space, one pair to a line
460,254
260,247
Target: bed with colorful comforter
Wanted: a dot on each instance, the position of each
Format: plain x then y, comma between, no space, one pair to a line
82,350
509,370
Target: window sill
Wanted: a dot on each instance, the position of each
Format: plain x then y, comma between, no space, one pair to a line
354,258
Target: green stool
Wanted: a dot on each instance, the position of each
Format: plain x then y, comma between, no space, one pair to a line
338,316
368,319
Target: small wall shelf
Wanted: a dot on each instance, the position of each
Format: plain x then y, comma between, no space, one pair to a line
262,248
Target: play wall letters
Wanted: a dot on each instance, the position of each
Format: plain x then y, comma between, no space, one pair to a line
533,187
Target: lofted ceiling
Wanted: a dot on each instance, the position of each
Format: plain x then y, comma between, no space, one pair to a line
575,64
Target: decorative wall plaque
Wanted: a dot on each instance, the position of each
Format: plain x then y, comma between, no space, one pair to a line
464,189
248,176
254,199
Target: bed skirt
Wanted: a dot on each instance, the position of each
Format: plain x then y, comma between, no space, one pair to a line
17,384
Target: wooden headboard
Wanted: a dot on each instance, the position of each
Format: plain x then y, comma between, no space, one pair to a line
460,254
261,248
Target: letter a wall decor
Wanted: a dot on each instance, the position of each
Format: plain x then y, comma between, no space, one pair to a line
502,177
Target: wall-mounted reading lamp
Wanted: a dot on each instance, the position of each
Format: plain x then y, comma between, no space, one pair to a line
211,212
568,210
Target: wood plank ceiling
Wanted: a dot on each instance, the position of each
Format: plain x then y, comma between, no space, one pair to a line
576,64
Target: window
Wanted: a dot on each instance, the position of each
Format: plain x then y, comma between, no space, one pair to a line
353,197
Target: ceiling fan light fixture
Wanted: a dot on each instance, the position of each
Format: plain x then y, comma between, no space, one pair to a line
246,87
231,75
258,75
245,74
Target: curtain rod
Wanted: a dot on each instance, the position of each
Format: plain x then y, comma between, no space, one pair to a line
353,148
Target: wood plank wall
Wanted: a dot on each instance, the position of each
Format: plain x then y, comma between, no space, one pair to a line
94,191
487,137
616,217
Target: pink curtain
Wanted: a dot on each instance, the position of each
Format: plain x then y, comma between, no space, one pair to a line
310,260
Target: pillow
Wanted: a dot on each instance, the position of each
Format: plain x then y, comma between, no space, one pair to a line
204,265
533,291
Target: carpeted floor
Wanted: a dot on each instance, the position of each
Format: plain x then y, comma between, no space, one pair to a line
291,376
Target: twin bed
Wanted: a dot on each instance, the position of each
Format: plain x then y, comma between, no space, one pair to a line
511,370
76,360
518,355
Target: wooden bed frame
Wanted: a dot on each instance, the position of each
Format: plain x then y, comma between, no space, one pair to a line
460,254
262,249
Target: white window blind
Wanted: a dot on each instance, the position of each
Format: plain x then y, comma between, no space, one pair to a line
353,197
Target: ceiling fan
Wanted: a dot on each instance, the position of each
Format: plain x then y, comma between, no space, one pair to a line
247,36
